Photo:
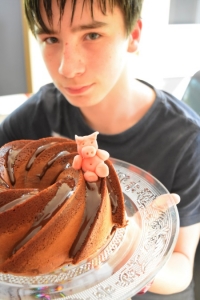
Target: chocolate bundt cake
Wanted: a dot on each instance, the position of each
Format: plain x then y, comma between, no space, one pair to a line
49,214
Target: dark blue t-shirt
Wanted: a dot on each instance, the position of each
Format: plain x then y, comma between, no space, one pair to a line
165,142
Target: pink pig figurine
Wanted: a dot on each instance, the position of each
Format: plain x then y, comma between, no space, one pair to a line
90,158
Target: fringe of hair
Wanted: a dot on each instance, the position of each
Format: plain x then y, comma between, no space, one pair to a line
131,10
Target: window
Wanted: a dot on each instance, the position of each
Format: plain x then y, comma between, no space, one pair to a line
184,12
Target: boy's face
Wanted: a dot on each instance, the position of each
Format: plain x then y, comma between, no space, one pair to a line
86,59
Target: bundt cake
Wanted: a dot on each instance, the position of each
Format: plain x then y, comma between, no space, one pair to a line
49,214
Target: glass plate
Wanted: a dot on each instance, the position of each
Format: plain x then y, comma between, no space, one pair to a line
127,263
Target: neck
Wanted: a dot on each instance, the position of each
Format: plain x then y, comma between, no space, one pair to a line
121,109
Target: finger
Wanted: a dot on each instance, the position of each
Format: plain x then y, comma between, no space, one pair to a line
176,198
164,202
146,288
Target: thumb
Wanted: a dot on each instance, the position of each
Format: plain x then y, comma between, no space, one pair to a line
166,201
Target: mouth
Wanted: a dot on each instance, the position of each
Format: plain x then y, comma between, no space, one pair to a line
78,89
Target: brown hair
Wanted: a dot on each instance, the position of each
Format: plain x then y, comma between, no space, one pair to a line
131,10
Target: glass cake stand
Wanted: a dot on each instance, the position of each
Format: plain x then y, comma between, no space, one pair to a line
127,263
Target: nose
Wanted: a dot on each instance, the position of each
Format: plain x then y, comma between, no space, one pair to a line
71,63
88,151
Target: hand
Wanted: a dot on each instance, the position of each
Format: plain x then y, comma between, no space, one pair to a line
146,288
162,202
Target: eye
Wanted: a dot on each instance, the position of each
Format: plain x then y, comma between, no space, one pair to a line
51,40
92,36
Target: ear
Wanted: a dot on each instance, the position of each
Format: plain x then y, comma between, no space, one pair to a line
134,37
78,138
94,135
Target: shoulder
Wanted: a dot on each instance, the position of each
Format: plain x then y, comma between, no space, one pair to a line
174,118
48,93
48,99
180,123
183,120
49,89
177,108
170,107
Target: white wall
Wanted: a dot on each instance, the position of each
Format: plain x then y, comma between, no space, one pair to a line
167,51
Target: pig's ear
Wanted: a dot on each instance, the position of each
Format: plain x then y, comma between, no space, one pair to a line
94,135
78,138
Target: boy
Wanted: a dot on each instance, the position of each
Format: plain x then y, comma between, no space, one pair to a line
86,47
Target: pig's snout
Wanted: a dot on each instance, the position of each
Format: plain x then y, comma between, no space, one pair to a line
88,151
